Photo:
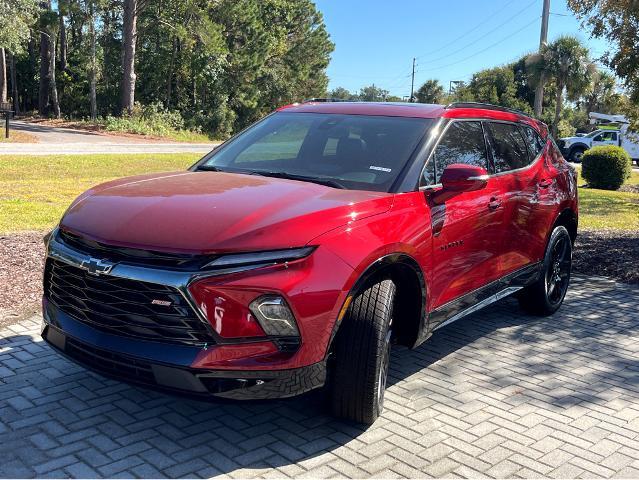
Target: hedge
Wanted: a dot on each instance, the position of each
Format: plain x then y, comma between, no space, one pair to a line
606,167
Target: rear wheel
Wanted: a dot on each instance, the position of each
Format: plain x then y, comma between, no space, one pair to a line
362,355
547,294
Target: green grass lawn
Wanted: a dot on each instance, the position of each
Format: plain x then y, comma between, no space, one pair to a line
35,191
600,209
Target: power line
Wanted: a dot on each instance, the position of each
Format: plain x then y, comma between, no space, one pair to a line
461,49
483,22
487,48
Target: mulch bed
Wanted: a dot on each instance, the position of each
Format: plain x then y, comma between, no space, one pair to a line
611,253
608,253
21,264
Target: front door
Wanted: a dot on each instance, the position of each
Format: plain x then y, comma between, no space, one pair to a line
606,138
467,229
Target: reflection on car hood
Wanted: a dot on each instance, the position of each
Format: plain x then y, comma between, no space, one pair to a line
203,212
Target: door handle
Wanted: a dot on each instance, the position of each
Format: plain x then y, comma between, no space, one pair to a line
545,183
494,203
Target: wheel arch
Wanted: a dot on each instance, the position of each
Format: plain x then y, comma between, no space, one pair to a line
568,219
409,311
580,146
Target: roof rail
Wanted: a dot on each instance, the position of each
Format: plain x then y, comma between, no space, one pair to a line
325,100
485,106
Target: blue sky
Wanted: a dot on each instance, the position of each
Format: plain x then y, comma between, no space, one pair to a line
376,40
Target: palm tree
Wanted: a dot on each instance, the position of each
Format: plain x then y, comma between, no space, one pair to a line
567,62
430,92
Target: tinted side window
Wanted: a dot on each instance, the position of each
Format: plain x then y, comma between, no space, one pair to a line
534,142
464,143
508,147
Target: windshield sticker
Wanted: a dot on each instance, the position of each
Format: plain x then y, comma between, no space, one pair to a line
381,169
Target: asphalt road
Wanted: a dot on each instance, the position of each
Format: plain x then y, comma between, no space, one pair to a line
55,140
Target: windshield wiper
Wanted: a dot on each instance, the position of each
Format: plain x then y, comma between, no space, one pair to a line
209,168
291,176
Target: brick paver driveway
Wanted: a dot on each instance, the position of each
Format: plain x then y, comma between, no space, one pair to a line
497,394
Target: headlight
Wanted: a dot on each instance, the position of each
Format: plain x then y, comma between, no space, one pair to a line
275,316
256,258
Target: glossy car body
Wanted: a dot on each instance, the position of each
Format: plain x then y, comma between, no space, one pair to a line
448,257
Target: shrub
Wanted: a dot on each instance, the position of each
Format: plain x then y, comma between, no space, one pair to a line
606,167
147,120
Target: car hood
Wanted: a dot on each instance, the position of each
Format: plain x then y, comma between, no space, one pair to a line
573,139
206,212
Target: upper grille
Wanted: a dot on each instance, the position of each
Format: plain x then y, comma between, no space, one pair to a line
124,307
178,261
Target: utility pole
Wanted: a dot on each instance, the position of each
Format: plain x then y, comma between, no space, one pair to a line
543,40
412,82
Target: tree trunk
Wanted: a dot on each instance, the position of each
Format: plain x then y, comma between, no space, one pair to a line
30,99
53,89
129,36
63,44
92,80
539,95
3,76
14,83
558,105
43,97
169,80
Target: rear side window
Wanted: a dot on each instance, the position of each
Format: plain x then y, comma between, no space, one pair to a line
463,142
507,146
534,142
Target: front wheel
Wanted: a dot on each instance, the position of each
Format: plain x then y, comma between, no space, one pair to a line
362,355
576,154
547,294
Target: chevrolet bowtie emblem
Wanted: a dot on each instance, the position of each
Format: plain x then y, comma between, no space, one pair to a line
97,267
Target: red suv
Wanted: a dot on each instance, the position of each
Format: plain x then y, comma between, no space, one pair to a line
295,254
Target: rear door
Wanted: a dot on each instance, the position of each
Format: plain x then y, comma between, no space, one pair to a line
467,228
528,183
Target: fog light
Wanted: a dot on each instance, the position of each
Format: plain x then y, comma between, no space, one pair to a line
274,316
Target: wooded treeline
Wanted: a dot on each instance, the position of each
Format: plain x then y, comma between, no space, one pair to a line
573,86
221,63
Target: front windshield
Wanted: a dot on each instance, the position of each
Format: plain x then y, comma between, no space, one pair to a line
592,134
359,152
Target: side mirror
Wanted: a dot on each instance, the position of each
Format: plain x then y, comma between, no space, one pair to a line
458,178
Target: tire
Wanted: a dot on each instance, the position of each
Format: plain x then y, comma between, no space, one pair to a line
576,154
545,296
362,354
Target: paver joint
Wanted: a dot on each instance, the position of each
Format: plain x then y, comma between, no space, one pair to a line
498,394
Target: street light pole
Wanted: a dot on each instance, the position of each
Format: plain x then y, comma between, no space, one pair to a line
543,40
412,82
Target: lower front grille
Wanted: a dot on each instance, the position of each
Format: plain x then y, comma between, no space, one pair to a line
124,307
110,363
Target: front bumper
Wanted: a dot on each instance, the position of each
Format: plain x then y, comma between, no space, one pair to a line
168,367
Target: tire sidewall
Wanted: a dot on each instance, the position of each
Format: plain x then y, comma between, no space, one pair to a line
575,151
362,349
557,233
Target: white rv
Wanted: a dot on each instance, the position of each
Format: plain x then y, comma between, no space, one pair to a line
614,133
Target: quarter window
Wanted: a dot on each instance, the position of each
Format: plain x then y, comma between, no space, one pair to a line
507,146
463,142
533,141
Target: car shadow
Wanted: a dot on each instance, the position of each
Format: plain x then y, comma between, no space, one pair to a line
59,420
